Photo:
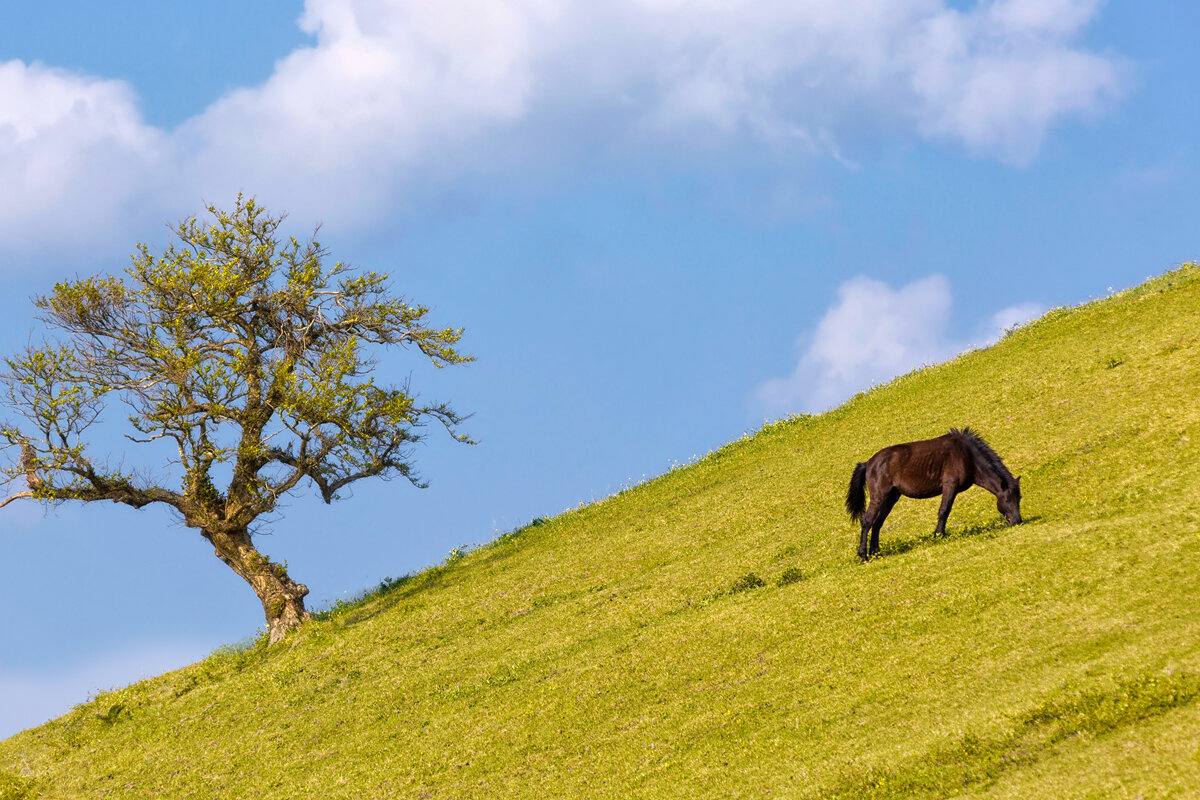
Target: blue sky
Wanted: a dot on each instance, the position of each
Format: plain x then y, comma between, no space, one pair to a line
661,222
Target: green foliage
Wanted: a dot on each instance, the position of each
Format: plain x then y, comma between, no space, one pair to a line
110,716
241,347
746,582
791,575
601,654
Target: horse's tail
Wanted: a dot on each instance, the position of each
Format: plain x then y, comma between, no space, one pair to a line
856,496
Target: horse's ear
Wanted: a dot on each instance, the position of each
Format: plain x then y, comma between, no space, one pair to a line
1018,481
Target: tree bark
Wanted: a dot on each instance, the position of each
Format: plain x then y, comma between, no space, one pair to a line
282,598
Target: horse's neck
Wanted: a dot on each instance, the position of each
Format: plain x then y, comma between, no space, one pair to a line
988,477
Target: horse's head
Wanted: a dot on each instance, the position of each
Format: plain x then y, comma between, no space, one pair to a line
1008,500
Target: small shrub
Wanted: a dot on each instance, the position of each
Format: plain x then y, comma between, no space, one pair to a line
791,575
516,532
110,716
389,584
746,582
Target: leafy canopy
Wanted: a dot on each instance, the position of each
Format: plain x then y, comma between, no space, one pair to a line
249,352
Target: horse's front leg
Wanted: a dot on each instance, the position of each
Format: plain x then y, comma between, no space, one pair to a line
948,494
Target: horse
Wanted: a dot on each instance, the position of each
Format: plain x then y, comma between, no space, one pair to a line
946,465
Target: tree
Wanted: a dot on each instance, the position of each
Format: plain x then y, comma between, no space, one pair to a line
248,353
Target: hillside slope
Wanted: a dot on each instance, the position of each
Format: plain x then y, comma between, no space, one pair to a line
620,650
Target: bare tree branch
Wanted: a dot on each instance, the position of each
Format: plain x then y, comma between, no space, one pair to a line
17,496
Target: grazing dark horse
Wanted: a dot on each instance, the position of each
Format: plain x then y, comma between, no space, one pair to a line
946,465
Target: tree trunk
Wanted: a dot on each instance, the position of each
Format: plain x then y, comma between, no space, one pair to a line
282,598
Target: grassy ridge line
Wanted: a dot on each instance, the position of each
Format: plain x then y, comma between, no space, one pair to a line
601,654
972,761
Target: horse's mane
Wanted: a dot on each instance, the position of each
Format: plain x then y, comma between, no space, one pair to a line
982,451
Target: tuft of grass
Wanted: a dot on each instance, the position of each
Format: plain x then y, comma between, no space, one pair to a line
746,582
110,716
791,575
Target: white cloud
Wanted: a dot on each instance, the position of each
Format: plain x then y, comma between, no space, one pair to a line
401,91
871,334
999,96
387,86
74,152
1041,17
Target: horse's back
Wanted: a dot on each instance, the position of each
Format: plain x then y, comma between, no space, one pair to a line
922,468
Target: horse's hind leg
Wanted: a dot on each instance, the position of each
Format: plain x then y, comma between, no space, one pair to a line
864,539
885,508
877,511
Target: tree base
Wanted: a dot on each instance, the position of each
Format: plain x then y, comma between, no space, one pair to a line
282,598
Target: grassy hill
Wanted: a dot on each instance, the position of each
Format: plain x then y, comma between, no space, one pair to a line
625,649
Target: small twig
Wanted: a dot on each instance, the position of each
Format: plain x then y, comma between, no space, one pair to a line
202,712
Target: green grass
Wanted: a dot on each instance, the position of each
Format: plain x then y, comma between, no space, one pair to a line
711,632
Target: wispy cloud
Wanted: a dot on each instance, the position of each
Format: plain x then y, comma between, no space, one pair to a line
397,92
873,333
